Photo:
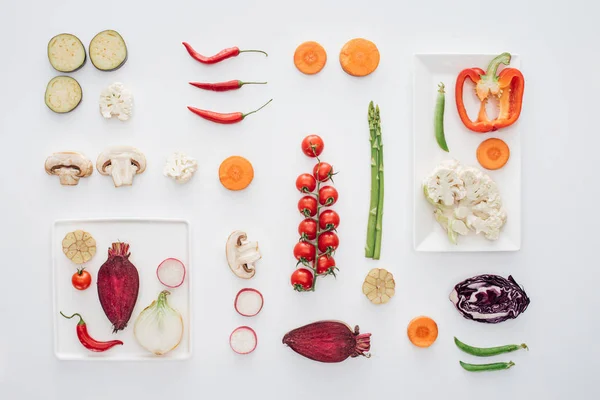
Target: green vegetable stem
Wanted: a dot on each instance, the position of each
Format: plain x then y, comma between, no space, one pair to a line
439,118
488,351
374,226
486,367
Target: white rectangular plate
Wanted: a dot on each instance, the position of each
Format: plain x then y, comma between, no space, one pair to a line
151,241
429,70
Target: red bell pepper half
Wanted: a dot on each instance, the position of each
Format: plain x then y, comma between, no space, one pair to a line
508,86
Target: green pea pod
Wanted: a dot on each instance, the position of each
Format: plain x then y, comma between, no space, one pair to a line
488,351
486,367
439,118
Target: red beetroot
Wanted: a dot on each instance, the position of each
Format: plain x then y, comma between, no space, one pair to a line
328,341
118,286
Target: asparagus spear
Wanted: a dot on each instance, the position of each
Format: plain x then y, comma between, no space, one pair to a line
379,222
375,189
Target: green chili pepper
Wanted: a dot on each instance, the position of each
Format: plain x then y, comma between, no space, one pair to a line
439,118
488,351
486,367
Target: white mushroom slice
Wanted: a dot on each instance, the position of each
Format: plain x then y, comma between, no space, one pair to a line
122,163
242,254
69,166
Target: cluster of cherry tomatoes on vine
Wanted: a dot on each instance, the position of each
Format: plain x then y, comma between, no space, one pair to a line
318,239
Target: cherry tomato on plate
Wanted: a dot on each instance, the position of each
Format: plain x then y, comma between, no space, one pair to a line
308,206
308,229
325,264
304,251
81,279
328,241
328,195
323,171
312,145
306,183
329,220
302,279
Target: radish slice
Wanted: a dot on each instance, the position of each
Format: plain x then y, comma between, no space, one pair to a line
248,302
171,272
243,340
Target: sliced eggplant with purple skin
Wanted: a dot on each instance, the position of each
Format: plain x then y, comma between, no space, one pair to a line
108,51
63,94
66,53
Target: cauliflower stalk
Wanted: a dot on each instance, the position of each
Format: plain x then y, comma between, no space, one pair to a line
466,200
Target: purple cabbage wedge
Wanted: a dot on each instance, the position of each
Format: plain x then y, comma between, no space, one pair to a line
489,298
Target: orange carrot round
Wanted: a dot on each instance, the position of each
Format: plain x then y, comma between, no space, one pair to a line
422,331
310,58
359,57
236,173
493,153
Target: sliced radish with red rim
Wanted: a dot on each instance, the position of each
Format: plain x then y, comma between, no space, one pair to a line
243,340
248,302
171,272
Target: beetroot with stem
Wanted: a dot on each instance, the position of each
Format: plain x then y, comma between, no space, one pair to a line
118,286
328,341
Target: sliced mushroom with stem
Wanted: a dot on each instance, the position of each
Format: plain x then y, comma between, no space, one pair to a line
122,163
242,254
69,166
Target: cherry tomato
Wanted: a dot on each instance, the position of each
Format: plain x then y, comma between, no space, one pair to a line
328,195
312,145
308,206
328,240
324,264
329,220
302,279
308,229
323,172
304,251
81,279
306,183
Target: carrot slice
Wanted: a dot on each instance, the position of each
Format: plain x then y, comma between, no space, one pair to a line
236,173
422,331
310,58
359,57
493,153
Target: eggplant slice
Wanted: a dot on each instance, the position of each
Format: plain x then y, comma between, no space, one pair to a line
63,94
66,53
108,51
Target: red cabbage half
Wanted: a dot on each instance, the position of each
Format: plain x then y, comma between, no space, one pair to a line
489,298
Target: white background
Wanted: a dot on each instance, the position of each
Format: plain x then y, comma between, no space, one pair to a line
557,264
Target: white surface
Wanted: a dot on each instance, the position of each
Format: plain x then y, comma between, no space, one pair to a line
151,242
557,263
429,71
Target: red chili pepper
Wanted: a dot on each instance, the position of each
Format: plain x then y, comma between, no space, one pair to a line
220,56
224,86
220,118
508,86
86,340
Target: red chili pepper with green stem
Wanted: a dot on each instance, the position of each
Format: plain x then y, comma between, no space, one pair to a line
87,341
220,56
221,118
224,86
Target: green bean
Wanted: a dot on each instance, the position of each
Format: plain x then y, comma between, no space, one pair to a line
486,367
488,351
439,118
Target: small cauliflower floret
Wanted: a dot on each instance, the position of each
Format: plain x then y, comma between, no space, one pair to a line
444,186
180,167
490,227
116,100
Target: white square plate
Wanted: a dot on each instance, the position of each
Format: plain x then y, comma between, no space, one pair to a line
429,70
151,241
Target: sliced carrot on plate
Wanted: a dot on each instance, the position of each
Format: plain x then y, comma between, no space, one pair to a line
359,57
422,331
493,153
310,58
236,173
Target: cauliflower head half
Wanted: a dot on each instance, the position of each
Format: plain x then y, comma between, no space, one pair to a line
466,200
